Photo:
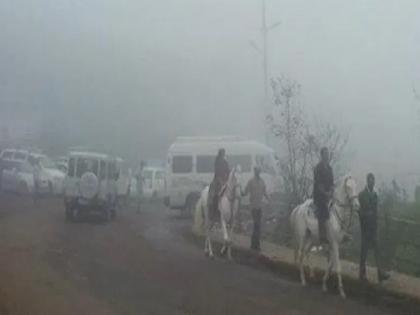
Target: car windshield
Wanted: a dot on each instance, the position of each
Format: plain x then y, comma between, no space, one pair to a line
19,155
48,163
85,165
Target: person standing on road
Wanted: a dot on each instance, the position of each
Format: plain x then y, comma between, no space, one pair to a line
139,184
368,215
323,192
257,191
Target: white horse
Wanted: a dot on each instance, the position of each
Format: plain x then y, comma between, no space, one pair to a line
305,228
228,206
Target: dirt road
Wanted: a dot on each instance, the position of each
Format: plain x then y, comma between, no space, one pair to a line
142,263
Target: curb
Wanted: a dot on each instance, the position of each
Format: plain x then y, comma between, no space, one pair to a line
369,293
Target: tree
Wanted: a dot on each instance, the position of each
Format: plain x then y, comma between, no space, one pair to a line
300,140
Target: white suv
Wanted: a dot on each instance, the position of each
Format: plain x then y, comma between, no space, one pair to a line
90,185
17,169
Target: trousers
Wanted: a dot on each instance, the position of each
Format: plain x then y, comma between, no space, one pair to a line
256,232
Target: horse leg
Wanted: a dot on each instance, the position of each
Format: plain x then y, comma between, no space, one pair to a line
302,245
308,259
225,236
206,246
327,271
209,243
337,263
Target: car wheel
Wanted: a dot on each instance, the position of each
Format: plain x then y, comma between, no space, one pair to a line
23,188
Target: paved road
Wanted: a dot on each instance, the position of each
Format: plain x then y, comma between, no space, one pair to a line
142,263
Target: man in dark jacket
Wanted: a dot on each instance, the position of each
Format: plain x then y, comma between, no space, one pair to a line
221,175
368,199
323,192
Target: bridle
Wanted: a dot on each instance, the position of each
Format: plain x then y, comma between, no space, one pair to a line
348,203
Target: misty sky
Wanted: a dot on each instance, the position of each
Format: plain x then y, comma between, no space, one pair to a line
156,69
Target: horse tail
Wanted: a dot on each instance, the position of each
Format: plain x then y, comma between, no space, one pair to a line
293,228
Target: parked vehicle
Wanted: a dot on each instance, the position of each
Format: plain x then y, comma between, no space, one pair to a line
154,182
18,173
17,176
190,166
91,185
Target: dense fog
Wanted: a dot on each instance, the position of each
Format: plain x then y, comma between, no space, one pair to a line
130,75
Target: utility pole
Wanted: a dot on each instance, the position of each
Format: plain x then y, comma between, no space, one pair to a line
264,31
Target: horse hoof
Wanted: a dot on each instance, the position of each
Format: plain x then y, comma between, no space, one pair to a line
325,289
343,295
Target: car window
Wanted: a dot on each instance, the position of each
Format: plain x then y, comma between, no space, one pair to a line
19,156
205,163
86,165
48,163
182,164
71,167
245,161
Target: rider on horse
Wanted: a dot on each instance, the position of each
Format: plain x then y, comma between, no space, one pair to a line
221,175
323,192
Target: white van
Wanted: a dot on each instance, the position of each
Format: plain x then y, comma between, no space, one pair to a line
190,166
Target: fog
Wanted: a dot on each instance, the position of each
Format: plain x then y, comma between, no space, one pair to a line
131,75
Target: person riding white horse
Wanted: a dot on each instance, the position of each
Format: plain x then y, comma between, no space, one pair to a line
228,205
221,174
306,230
